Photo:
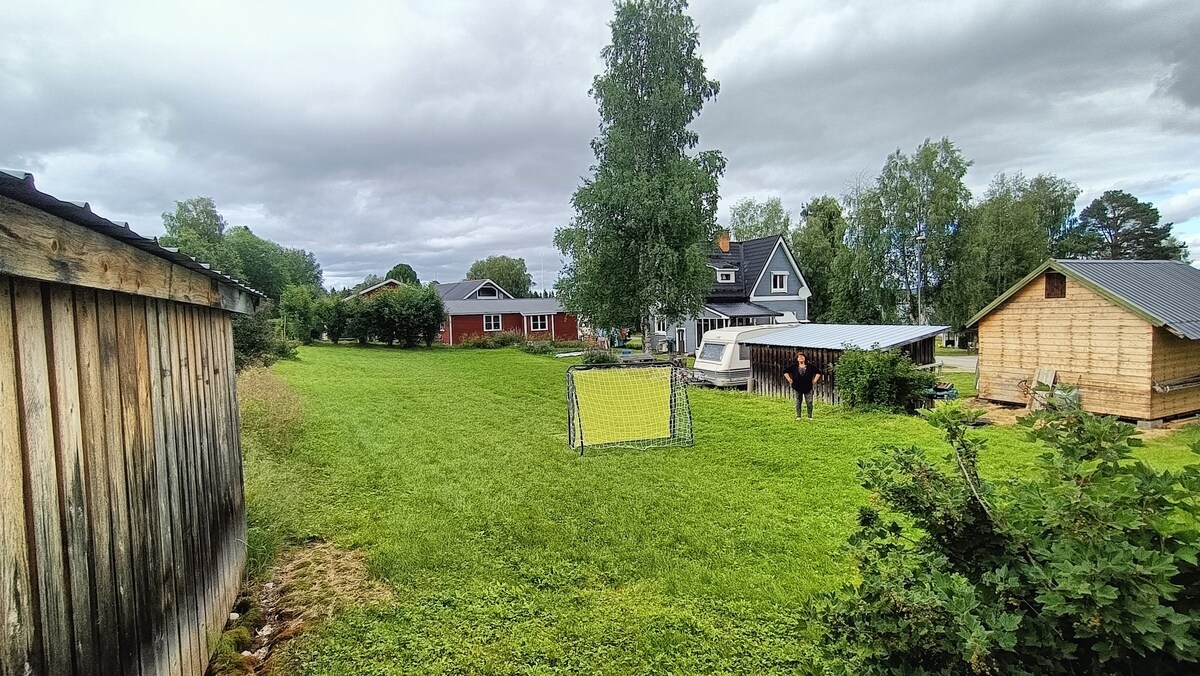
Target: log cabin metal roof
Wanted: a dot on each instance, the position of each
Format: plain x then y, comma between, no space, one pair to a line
19,186
1164,293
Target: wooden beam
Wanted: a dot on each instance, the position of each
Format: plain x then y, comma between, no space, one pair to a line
42,246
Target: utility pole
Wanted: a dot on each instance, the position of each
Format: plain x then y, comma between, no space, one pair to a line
920,272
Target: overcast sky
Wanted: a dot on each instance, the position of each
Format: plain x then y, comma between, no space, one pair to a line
436,133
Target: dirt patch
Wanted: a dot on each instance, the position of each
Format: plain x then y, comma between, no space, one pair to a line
307,584
1004,414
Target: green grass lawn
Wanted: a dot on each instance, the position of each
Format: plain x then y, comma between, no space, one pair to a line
510,553
952,351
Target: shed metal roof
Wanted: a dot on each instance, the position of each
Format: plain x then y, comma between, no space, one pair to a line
841,336
19,186
525,306
1164,293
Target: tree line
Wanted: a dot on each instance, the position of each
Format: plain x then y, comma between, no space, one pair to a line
913,245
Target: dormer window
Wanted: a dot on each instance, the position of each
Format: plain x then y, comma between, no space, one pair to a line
779,282
486,292
725,276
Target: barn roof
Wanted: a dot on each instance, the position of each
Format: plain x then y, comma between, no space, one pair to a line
19,186
461,290
841,336
1164,293
525,306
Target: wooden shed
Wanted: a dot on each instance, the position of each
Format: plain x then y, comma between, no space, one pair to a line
1125,333
823,345
122,524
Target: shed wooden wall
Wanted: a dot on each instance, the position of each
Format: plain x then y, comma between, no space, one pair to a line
122,529
1175,358
767,363
1094,344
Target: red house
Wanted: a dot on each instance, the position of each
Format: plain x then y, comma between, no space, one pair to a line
480,306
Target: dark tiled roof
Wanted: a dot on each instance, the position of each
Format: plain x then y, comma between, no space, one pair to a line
1168,291
460,290
743,309
18,185
525,306
748,258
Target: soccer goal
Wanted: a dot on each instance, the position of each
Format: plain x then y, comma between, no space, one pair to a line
635,405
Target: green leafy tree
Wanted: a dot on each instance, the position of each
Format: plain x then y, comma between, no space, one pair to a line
816,244
300,307
921,199
1086,566
402,272
751,219
510,273
334,314
1008,233
196,228
358,319
862,289
645,220
1121,227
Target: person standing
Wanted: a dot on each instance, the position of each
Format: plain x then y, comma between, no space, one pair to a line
802,376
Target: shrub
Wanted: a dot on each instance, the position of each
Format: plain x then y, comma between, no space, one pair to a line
881,380
256,342
599,357
491,340
552,346
1091,567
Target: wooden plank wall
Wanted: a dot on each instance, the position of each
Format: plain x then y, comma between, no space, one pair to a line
1095,345
767,363
122,523
1175,358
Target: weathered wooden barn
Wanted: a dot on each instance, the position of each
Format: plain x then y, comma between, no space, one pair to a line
122,525
823,345
1125,333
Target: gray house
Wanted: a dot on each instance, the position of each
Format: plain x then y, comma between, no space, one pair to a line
754,282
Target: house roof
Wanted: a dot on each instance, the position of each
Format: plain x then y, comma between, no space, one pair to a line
19,186
460,290
841,336
525,306
1164,293
748,258
742,309
386,282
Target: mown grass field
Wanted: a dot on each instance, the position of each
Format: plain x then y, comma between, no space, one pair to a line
510,553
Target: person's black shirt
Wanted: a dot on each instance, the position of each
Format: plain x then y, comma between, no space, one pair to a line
802,381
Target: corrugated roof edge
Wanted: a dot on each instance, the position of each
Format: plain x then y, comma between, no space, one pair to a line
19,185
1058,266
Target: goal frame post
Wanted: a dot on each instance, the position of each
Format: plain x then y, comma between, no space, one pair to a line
681,429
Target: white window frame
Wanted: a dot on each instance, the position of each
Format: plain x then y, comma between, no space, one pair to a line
776,276
492,292
660,326
497,325
539,322
725,277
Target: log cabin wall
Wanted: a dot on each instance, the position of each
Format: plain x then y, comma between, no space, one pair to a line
1175,359
122,523
1103,349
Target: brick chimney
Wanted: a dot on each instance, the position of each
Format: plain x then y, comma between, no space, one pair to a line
723,241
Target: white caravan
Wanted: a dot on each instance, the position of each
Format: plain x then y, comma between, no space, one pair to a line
723,359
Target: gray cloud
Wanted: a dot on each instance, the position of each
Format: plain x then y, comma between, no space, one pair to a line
438,133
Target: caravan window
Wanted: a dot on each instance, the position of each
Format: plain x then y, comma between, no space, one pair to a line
712,352
743,351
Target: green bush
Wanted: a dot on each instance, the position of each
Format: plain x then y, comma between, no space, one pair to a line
881,380
1090,567
491,340
552,346
256,341
599,357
